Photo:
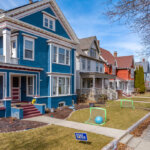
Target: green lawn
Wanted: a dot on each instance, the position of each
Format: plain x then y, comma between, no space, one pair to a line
50,138
120,118
139,99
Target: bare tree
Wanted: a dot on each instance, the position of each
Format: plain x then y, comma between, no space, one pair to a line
135,13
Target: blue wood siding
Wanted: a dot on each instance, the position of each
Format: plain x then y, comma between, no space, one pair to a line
36,19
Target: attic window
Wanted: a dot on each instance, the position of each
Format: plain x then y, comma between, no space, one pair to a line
48,22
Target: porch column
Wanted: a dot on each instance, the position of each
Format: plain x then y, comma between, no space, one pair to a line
108,84
7,44
94,90
102,85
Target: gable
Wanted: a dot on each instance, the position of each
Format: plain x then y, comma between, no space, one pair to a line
36,19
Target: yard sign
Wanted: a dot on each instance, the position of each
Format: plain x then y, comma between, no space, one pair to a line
81,136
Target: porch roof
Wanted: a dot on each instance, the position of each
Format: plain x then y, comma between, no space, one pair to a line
97,75
19,67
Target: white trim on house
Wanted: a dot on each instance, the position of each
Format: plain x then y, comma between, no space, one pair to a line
56,10
14,38
3,75
33,48
57,74
49,19
47,14
29,36
62,102
27,94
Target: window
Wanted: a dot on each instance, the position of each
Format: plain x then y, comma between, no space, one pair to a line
132,73
49,22
55,54
55,85
60,55
93,52
14,47
97,67
67,57
28,48
30,86
83,63
60,86
101,68
61,104
88,65
89,83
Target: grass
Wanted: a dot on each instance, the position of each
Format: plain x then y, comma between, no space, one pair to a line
139,99
147,94
119,118
50,138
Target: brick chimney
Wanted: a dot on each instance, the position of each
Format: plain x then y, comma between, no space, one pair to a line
30,1
115,53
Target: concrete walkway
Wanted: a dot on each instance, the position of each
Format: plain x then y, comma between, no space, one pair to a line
110,132
135,101
141,143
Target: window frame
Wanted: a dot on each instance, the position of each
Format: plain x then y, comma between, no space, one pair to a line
88,65
33,49
83,59
27,86
14,38
58,85
101,67
62,102
57,59
49,19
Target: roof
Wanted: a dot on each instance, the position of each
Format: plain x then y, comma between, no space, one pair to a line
107,56
145,65
85,43
124,61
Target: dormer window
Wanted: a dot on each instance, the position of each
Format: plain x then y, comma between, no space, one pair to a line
93,52
48,22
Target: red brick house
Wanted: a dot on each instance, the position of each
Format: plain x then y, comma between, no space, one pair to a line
123,68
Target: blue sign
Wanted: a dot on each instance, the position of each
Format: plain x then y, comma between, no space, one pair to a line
81,136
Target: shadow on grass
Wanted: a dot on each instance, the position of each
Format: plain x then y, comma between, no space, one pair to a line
84,142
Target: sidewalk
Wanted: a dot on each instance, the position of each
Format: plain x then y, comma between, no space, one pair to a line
141,143
110,132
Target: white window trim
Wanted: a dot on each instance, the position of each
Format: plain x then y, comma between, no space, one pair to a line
57,59
14,38
57,90
62,102
27,94
29,39
49,18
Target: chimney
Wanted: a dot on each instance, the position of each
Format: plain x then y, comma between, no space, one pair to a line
115,53
143,59
30,1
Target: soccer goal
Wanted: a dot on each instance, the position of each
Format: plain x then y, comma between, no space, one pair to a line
124,103
94,112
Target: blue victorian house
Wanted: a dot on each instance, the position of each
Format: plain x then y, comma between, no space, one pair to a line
37,55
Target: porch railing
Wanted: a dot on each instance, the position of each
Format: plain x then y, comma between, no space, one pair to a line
2,58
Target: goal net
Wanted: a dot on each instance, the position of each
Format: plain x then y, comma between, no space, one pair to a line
94,112
124,103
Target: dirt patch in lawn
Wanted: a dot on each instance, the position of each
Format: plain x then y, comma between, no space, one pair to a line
12,124
139,130
64,112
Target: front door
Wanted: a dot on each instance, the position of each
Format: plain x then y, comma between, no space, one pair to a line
15,91
1,87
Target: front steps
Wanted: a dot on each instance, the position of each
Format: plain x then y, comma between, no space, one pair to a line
30,111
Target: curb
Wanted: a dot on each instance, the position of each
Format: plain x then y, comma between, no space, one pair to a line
113,144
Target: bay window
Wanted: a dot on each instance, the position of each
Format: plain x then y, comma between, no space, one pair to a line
49,22
60,86
97,67
101,68
60,55
30,86
88,65
83,63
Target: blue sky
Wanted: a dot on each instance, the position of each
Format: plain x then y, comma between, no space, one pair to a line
87,19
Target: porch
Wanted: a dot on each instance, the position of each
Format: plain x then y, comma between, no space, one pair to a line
94,85
19,85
